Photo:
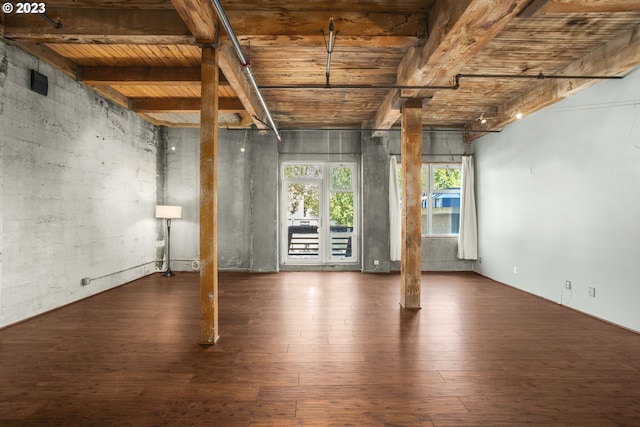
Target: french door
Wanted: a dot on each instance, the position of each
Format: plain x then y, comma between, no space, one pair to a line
318,213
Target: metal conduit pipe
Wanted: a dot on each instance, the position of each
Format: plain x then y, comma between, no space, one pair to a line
539,76
454,86
355,86
243,61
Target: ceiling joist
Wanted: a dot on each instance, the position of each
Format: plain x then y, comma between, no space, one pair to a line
82,25
164,105
139,75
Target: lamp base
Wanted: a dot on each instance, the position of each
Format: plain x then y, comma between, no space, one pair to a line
168,273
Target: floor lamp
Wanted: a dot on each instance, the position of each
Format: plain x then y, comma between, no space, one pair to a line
168,213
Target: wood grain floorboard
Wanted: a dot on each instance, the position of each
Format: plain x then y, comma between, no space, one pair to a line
315,349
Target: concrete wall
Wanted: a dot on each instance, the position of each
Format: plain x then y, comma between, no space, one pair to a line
438,253
559,199
78,190
249,188
247,185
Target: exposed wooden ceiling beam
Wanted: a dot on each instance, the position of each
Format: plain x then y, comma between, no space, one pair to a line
139,75
195,20
316,41
459,30
200,17
347,23
590,6
615,58
167,105
235,75
81,25
118,4
530,9
188,122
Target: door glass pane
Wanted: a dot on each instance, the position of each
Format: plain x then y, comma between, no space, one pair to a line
341,213
341,178
303,211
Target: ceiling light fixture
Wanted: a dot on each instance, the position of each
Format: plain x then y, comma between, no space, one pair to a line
329,46
244,140
517,115
481,119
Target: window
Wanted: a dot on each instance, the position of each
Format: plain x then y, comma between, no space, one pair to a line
319,213
440,198
441,186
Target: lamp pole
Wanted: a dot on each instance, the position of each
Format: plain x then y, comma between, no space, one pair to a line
168,272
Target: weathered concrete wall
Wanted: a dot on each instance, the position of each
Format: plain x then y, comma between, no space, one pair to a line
249,194
340,145
234,202
264,203
375,202
78,181
438,253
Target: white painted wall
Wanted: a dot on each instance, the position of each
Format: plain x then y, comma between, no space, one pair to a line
559,199
78,190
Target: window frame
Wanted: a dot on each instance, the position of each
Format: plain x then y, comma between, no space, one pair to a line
428,190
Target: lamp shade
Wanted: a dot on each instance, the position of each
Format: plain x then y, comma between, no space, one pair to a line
169,212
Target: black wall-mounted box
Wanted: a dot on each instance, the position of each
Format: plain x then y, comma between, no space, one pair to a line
39,83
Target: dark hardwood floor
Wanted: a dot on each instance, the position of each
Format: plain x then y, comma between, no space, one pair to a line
319,349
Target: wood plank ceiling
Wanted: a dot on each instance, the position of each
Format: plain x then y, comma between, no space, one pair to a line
145,55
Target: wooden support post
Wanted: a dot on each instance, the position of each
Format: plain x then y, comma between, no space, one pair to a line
208,197
411,264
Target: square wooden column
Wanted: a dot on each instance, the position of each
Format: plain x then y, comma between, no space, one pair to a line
208,197
411,263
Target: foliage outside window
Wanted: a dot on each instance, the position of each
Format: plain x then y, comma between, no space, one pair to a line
303,199
341,203
303,170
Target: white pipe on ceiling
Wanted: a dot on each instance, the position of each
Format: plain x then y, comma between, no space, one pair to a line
243,61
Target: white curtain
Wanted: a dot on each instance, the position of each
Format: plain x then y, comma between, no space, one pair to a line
395,212
468,237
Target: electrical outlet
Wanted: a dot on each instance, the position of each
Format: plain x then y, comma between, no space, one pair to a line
479,260
567,284
376,262
85,281
515,270
592,292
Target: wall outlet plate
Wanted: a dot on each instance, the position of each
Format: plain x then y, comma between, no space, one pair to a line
567,284
592,292
85,281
